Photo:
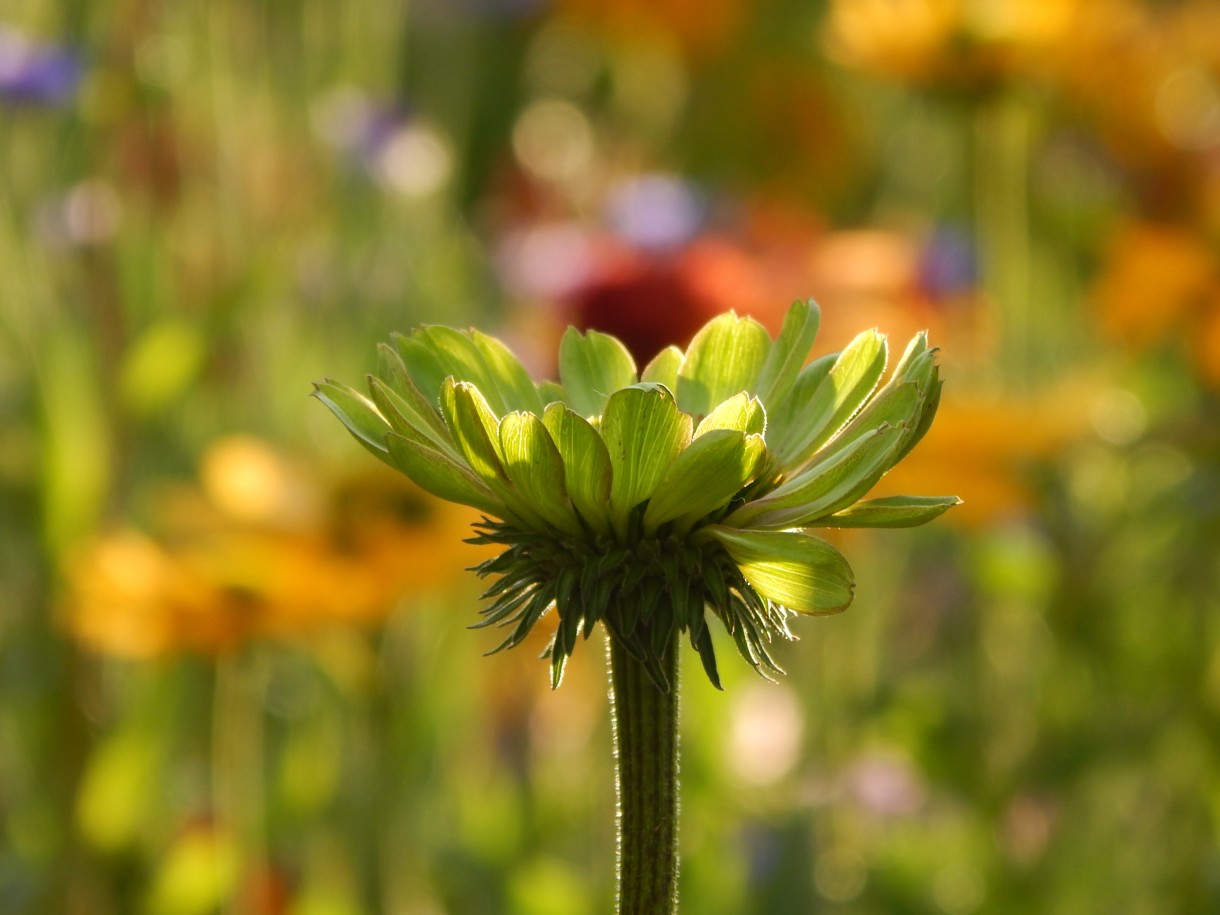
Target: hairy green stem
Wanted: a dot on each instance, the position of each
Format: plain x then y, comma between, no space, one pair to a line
645,722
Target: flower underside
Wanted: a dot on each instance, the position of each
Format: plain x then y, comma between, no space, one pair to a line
645,500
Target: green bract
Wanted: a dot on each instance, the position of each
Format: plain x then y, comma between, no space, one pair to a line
644,501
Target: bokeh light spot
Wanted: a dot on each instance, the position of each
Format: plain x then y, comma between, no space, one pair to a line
553,140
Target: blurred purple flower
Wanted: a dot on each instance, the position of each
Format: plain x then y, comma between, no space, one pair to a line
656,212
357,126
37,74
388,143
948,263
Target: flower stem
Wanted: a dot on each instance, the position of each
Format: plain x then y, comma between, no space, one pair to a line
645,721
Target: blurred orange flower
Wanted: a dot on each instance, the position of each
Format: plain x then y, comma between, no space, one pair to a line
698,26
262,550
1161,282
1154,277
901,283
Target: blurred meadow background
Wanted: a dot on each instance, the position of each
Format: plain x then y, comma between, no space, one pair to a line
235,674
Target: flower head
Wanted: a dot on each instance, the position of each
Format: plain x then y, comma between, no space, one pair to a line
645,500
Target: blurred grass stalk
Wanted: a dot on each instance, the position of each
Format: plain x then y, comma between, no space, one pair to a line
238,767
1002,131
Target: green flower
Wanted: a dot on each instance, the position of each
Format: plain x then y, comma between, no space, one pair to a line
645,501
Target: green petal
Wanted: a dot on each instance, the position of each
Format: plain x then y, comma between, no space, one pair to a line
705,476
927,414
513,383
918,365
909,398
917,361
357,413
788,419
842,392
474,428
418,406
461,357
723,359
797,570
550,392
741,412
826,486
663,369
894,405
586,463
892,511
476,432
535,469
426,426
424,365
643,432
593,366
442,475
790,351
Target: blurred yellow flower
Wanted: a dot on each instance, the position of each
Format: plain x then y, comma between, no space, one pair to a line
963,44
1145,78
988,449
263,549
1205,343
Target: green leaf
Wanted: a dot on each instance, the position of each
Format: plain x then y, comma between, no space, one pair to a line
723,359
791,349
442,475
593,366
704,477
843,391
741,412
513,383
663,368
643,432
535,469
586,463
892,511
796,570
357,413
